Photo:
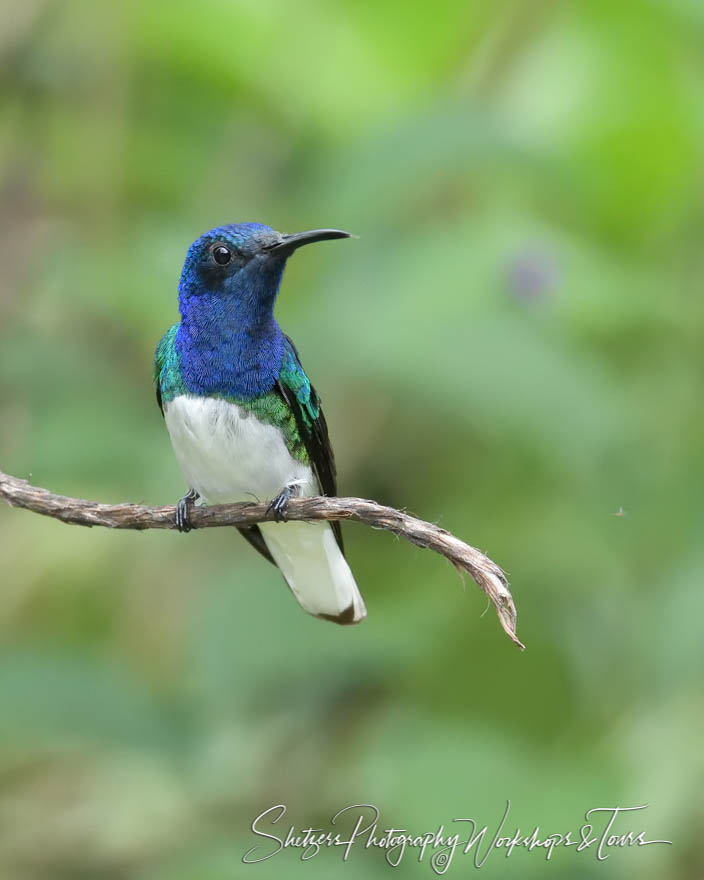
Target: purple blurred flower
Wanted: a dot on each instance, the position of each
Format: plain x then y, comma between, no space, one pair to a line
532,274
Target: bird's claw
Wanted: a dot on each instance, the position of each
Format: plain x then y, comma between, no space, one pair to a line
183,511
279,504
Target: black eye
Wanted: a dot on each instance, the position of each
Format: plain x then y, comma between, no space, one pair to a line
221,255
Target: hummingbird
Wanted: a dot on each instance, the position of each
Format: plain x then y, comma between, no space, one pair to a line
243,418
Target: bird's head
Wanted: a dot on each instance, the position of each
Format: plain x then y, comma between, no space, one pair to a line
244,260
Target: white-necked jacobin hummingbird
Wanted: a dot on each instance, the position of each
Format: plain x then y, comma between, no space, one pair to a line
243,417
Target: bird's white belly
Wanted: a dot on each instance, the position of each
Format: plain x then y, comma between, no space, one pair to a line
227,454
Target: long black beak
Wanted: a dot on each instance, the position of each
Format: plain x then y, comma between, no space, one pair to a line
289,243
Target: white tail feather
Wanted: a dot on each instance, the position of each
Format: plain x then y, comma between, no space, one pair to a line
315,569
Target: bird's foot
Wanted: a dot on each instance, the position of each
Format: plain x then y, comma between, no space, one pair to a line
183,511
280,503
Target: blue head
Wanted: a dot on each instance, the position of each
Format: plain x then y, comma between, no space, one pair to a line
228,340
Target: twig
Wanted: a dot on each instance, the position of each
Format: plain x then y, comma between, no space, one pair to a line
77,511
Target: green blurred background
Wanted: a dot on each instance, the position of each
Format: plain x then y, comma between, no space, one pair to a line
512,349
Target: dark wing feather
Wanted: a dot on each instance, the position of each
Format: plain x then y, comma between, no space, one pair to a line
253,535
316,440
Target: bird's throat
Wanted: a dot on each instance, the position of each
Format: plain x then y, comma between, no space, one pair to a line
226,347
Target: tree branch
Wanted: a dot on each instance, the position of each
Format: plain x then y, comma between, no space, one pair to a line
489,577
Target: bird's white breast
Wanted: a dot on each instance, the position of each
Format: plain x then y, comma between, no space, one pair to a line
227,454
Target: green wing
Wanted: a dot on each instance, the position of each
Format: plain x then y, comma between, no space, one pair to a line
294,387
167,375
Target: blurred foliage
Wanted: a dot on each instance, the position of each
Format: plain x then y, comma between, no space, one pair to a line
513,349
